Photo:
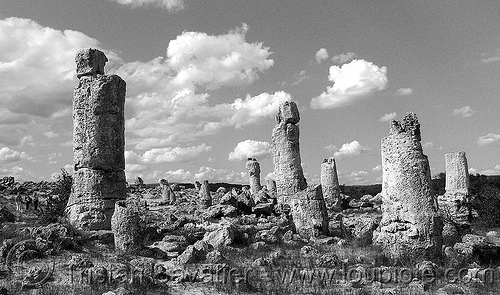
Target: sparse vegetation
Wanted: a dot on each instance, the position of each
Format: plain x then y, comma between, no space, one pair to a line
56,203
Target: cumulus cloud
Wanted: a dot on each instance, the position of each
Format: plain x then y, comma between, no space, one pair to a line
377,168
250,149
353,80
321,55
349,150
188,116
343,57
489,139
168,155
217,175
167,4
37,66
464,112
388,117
10,156
214,61
404,91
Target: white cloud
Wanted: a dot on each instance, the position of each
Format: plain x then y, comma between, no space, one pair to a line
270,175
188,116
351,149
464,112
214,61
167,155
388,117
343,57
321,55
249,149
429,145
353,178
11,156
491,171
377,168
404,91
167,4
220,175
179,175
489,139
50,134
353,80
37,65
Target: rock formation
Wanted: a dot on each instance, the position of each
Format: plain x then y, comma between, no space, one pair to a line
308,212
286,153
98,143
271,187
205,195
167,192
453,204
410,225
126,227
197,185
253,168
330,183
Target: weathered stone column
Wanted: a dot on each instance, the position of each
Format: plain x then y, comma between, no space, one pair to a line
308,212
166,191
286,153
126,227
411,225
330,183
205,195
271,187
453,204
98,143
253,168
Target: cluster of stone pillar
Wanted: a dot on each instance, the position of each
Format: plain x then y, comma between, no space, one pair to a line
286,153
98,143
411,225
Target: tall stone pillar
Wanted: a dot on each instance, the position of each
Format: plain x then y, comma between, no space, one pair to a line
286,153
253,168
330,183
166,191
98,143
411,225
205,195
271,187
453,204
308,212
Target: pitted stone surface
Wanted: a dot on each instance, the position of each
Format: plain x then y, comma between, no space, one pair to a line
98,143
205,195
308,212
90,62
453,203
286,155
166,191
253,168
126,226
271,187
410,223
99,123
288,113
330,183
92,198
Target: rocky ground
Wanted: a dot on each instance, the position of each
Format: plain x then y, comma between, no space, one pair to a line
234,246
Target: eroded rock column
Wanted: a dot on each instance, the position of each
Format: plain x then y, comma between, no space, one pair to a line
411,225
253,168
330,183
167,192
286,153
308,212
453,204
205,195
98,143
126,226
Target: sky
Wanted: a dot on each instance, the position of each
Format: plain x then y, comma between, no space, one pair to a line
205,79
